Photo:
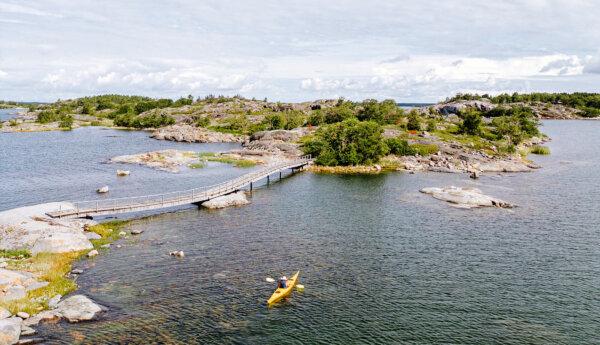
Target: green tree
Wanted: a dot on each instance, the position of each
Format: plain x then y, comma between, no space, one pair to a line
349,142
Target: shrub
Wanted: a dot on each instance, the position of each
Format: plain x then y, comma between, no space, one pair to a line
386,112
317,118
293,119
339,113
349,142
274,121
66,122
471,123
540,150
47,116
414,123
431,125
399,147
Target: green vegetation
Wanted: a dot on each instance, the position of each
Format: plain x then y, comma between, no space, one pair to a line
588,103
349,142
14,254
53,268
425,149
399,147
235,161
471,123
149,121
540,150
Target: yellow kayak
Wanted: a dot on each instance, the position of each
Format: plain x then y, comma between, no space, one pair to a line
280,293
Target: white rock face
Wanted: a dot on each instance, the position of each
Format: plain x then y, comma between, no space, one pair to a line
4,313
53,302
92,253
10,330
234,199
465,197
30,228
78,308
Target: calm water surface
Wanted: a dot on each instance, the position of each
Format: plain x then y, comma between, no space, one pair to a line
381,262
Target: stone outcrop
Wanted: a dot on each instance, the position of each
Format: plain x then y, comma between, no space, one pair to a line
10,330
192,134
465,197
29,228
15,284
281,143
457,106
234,199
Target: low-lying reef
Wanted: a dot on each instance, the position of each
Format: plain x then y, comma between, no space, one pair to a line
174,160
465,197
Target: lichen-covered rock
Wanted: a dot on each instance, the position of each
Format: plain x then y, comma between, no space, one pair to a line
234,199
10,330
465,197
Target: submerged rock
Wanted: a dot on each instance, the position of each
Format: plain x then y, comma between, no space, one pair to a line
10,330
465,197
122,172
234,199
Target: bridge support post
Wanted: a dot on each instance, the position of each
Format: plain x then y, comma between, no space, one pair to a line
268,179
250,186
280,174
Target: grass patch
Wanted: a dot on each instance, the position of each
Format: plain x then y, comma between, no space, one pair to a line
50,267
425,149
237,162
53,268
109,232
14,254
539,150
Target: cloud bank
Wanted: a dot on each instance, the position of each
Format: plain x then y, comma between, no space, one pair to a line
297,50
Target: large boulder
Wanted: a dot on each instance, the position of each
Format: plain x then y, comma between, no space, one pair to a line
78,308
234,199
465,197
10,330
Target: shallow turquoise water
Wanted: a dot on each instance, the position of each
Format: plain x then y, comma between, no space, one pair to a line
381,262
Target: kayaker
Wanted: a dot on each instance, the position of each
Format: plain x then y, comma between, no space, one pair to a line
283,282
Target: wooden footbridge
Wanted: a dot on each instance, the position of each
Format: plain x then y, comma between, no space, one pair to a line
88,209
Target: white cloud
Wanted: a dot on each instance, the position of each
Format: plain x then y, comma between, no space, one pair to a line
27,10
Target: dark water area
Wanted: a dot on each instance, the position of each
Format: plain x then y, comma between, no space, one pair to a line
7,114
381,262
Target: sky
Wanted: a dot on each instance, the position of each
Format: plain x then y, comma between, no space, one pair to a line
410,51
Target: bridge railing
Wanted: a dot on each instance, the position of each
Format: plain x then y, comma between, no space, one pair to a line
183,196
